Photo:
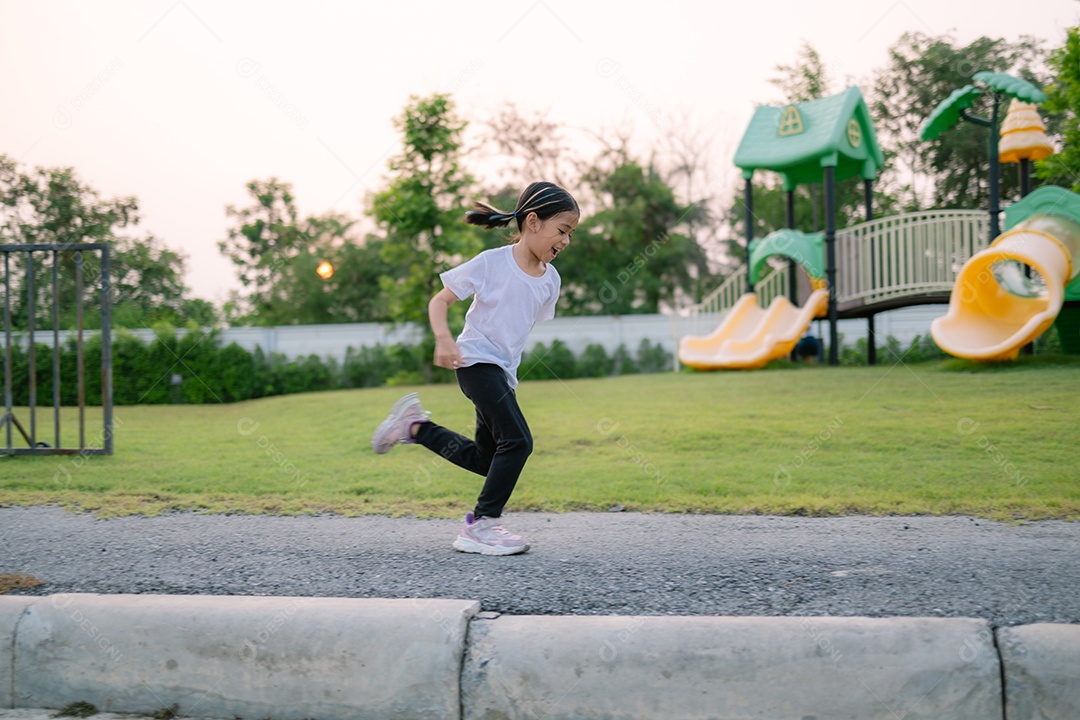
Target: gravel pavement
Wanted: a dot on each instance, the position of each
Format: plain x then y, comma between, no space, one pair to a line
580,564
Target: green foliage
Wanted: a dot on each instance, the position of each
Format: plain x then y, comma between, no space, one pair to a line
951,171
633,254
770,207
594,362
1063,102
622,362
921,349
53,206
557,362
548,363
207,373
276,254
653,358
420,213
78,709
805,79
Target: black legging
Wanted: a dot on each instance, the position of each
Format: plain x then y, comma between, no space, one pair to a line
503,442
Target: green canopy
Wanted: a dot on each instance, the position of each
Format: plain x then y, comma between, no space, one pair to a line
807,249
1012,86
799,140
950,110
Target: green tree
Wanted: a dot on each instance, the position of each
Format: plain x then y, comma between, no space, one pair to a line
53,206
420,212
805,79
148,286
1063,100
276,253
952,171
266,236
632,255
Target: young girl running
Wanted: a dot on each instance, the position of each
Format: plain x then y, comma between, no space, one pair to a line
514,286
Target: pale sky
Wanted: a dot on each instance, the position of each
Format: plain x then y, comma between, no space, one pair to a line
182,102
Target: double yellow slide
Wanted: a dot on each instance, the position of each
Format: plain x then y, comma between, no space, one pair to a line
750,336
995,309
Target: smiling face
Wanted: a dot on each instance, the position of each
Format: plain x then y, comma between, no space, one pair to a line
545,239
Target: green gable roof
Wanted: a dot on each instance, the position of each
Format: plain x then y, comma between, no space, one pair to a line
799,140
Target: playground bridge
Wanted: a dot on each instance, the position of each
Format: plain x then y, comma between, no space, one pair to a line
884,264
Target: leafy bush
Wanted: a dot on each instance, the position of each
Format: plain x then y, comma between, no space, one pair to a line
622,362
143,373
594,362
653,358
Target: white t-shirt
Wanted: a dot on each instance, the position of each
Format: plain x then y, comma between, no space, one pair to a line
508,303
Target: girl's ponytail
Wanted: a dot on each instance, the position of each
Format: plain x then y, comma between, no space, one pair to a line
488,217
543,198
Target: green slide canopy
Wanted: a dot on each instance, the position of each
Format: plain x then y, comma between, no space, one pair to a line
807,249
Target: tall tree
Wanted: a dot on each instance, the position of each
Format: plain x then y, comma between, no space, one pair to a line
265,237
53,206
952,171
277,252
419,213
633,254
1063,102
805,79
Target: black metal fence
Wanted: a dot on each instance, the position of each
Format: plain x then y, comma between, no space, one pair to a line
58,274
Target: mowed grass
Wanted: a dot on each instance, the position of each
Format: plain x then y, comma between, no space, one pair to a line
808,441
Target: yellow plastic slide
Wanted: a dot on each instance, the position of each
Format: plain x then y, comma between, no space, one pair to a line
994,309
749,337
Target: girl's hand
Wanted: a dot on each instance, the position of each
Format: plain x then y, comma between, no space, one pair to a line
447,354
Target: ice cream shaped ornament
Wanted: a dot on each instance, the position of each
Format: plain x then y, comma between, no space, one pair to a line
1023,134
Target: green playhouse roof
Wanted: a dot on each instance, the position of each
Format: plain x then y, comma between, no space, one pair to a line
799,140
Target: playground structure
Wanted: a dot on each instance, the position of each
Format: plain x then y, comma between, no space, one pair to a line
996,309
957,257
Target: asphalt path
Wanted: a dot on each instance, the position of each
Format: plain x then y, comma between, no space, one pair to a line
580,563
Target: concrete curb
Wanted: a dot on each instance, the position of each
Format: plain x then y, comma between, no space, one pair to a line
701,667
1041,670
336,658
250,657
11,609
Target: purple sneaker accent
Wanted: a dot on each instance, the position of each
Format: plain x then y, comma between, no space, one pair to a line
487,536
395,428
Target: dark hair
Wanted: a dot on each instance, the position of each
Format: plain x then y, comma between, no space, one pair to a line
543,198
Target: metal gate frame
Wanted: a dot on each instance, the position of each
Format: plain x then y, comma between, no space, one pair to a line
8,419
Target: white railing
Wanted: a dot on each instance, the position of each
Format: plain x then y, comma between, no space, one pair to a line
892,257
906,255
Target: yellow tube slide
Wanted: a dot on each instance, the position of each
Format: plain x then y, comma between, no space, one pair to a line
749,337
992,313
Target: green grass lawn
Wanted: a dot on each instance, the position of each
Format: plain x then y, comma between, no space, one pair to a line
933,438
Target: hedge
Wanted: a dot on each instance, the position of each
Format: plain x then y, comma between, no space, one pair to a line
209,373
143,372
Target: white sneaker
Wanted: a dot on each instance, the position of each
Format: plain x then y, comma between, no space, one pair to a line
487,537
395,428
